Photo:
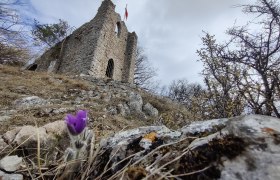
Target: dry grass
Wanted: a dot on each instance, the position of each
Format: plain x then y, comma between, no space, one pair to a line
176,162
16,83
173,115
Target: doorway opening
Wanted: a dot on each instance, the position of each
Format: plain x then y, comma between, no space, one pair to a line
110,69
33,67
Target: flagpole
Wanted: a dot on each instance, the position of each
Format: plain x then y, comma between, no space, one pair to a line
124,17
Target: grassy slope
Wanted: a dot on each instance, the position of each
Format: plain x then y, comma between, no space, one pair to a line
16,83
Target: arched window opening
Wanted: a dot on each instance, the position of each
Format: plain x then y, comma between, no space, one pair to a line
110,69
32,67
118,29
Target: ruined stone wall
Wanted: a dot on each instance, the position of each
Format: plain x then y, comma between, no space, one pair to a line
51,55
89,48
129,63
111,45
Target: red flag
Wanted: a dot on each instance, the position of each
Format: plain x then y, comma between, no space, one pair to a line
126,13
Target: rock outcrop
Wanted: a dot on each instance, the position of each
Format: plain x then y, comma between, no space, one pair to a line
245,147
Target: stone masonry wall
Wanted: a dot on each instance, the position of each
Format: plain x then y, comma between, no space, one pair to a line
89,48
129,63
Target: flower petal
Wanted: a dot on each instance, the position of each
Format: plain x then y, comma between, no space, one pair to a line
72,129
76,124
70,119
82,120
82,114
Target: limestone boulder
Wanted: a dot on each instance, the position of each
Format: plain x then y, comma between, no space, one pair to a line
130,135
3,144
4,118
11,163
200,127
126,143
28,136
52,136
123,109
149,110
245,147
9,136
112,110
135,102
259,136
31,101
57,128
7,176
261,160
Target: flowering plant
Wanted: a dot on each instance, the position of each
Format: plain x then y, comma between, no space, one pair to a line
76,124
80,138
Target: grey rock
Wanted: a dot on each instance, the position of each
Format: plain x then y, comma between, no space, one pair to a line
112,110
27,136
84,93
31,101
3,144
62,110
253,126
95,95
120,141
205,140
9,136
90,93
5,176
123,109
253,165
126,109
57,128
58,101
123,87
117,95
78,100
11,163
4,118
45,112
204,126
129,135
135,102
150,110
107,97
261,158
8,112
49,136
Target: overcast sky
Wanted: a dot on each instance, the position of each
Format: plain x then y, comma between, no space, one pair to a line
168,30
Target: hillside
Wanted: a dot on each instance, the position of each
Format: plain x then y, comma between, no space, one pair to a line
57,95
125,136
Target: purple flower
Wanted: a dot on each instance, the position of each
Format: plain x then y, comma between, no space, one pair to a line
76,124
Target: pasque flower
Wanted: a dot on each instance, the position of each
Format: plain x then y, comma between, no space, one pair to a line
76,124
80,139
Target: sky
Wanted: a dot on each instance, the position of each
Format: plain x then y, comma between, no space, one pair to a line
170,31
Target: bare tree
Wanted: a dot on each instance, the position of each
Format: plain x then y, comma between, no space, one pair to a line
50,34
249,61
222,94
13,45
8,15
144,72
192,96
182,91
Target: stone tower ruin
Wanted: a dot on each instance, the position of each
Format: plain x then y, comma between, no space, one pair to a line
102,48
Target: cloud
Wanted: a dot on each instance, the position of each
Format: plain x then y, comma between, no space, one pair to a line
169,30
